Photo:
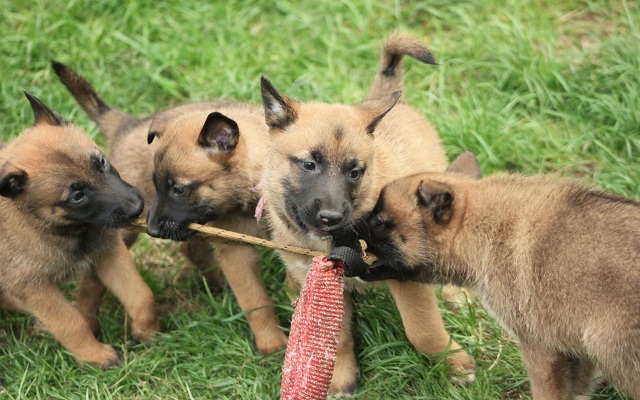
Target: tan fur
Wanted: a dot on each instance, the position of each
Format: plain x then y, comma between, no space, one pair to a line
555,262
402,142
229,182
37,258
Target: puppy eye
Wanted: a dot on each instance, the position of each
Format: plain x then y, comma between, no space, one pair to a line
103,163
77,197
179,190
308,165
355,174
377,222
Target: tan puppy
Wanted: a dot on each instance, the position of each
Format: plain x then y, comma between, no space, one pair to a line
554,261
205,160
59,196
325,168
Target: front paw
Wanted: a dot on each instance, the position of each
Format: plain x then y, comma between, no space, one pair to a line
345,380
102,356
144,331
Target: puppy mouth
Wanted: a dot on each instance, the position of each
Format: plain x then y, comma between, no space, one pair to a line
119,220
314,233
172,230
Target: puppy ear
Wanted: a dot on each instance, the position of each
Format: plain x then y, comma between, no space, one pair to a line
219,133
12,181
466,164
279,110
377,108
42,114
438,202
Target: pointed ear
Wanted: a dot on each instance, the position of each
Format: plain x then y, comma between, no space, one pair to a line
219,133
377,108
466,164
437,201
279,110
12,181
42,114
152,135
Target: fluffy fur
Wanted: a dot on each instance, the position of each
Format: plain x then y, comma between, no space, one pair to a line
197,163
59,197
554,261
325,167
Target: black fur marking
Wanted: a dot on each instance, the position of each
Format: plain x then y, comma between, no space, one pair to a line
13,184
151,136
271,97
394,60
42,114
588,197
426,57
79,86
351,164
63,158
317,156
437,202
375,121
338,134
219,131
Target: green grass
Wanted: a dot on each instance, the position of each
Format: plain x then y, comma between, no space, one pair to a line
529,86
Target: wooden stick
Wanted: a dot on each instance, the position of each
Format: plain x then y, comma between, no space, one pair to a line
140,225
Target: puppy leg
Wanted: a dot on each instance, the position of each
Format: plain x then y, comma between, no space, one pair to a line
550,373
455,297
241,267
425,329
118,272
345,379
616,350
67,325
91,290
10,302
90,293
202,255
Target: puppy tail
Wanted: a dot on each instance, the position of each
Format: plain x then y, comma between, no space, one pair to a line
110,120
389,78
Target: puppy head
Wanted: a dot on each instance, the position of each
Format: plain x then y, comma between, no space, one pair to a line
321,160
411,226
57,173
197,172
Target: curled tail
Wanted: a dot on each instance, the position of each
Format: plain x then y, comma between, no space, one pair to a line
109,119
389,78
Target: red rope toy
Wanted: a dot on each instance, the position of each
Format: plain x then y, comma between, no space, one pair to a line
315,330
317,320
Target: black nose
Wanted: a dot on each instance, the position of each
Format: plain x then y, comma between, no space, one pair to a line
137,207
153,228
330,217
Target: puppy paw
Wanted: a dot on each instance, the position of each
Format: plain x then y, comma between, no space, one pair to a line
144,332
104,356
345,380
461,365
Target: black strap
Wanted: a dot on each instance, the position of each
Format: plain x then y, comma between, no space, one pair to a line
346,247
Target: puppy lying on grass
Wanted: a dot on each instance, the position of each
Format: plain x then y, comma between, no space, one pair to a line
58,197
557,264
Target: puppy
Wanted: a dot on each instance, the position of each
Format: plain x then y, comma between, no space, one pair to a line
59,200
194,163
325,167
555,262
